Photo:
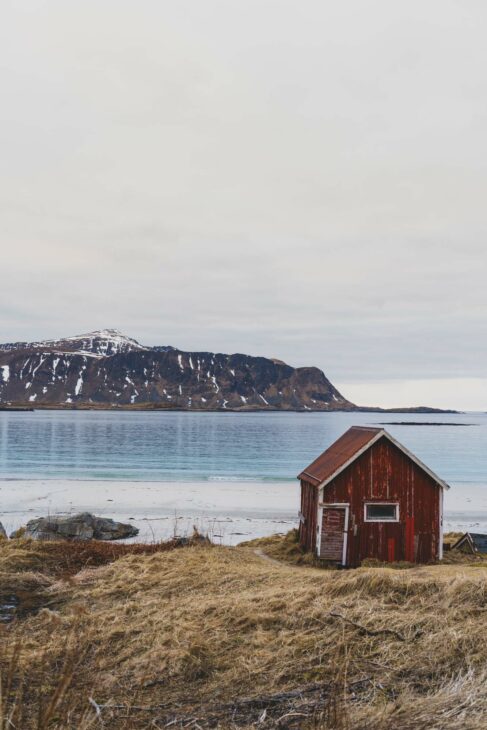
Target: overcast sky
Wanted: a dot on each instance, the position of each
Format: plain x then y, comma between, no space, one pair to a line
304,180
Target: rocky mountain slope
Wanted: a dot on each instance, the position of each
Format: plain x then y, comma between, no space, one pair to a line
105,368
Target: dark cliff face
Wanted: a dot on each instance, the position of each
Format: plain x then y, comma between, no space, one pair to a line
105,368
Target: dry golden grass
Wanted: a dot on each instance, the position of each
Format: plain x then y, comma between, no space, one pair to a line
450,538
63,558
218,637
285,548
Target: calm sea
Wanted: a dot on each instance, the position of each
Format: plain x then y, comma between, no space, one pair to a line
202,447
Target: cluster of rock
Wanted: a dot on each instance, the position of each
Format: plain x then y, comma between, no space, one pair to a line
83,526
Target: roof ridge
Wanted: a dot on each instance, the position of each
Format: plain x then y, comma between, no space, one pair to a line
367,428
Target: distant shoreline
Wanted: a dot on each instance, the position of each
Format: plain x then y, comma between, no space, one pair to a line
150,407
426,423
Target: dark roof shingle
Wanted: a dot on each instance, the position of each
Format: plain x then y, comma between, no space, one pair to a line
344,448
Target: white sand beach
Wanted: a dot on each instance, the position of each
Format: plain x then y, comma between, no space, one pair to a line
230,512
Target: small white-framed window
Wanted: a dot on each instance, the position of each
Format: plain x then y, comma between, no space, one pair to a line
381,512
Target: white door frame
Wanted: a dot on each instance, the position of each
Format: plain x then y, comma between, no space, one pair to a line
336,505
440,546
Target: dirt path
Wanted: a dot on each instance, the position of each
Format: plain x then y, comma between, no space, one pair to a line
261,554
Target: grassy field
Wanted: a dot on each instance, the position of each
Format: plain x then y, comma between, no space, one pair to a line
200,636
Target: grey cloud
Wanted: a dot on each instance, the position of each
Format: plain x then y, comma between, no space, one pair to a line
304,181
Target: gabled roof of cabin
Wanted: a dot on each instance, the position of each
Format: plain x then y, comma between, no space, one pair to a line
352,444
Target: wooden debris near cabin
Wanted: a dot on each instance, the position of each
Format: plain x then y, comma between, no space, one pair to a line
471,542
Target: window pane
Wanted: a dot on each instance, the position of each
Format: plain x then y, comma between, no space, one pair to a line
381,512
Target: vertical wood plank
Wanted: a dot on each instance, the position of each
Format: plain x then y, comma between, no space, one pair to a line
409,539
391,550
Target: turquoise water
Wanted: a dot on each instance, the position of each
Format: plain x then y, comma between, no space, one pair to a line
202,447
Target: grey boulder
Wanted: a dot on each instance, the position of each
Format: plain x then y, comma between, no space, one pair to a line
83,526
3,534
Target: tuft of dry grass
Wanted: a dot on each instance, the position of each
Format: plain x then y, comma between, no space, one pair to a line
64,558
450,538
218,637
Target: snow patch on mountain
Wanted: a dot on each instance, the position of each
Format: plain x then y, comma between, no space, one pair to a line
99,343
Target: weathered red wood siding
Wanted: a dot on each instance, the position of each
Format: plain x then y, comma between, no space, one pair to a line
383,473
309,512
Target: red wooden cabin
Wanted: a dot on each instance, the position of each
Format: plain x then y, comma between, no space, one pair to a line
367,496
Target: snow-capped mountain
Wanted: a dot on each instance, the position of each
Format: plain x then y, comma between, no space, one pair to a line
106,368
98,343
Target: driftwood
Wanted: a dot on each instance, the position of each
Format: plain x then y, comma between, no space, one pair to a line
376,632
365,630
